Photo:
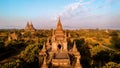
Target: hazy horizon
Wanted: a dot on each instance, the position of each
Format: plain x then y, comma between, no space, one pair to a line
74,14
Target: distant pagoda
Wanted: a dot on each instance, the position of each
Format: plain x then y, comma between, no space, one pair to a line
13,36
29,27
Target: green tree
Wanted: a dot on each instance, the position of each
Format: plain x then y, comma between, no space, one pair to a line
30,52
2,46
85,56
116,57
96,49
112,65
79,42
115,40
102,57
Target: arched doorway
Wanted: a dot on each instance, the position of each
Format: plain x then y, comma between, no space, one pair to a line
59,47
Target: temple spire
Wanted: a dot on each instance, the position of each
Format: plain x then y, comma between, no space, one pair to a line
74,47
44,65
59,25
48,43
27,25
53,32
65,37
31,23
69,35
43,49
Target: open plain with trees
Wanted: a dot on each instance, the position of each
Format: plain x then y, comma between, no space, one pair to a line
99,48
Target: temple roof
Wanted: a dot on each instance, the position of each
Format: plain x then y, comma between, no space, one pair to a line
59,25
31,23
61,55
27,25
59,34
74,47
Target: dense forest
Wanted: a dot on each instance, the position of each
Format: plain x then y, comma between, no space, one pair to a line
99,48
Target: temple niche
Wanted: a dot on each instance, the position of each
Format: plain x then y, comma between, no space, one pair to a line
29,27
58,52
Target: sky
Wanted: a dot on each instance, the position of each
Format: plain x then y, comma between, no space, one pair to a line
74,14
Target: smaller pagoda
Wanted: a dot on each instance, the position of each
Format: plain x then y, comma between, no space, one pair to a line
29,27
13,36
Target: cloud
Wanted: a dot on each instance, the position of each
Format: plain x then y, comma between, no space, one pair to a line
110,1
68,10
89,14
81,8
75,9
106,4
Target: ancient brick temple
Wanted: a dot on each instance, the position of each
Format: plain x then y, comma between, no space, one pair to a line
13,36
58,50
29,27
